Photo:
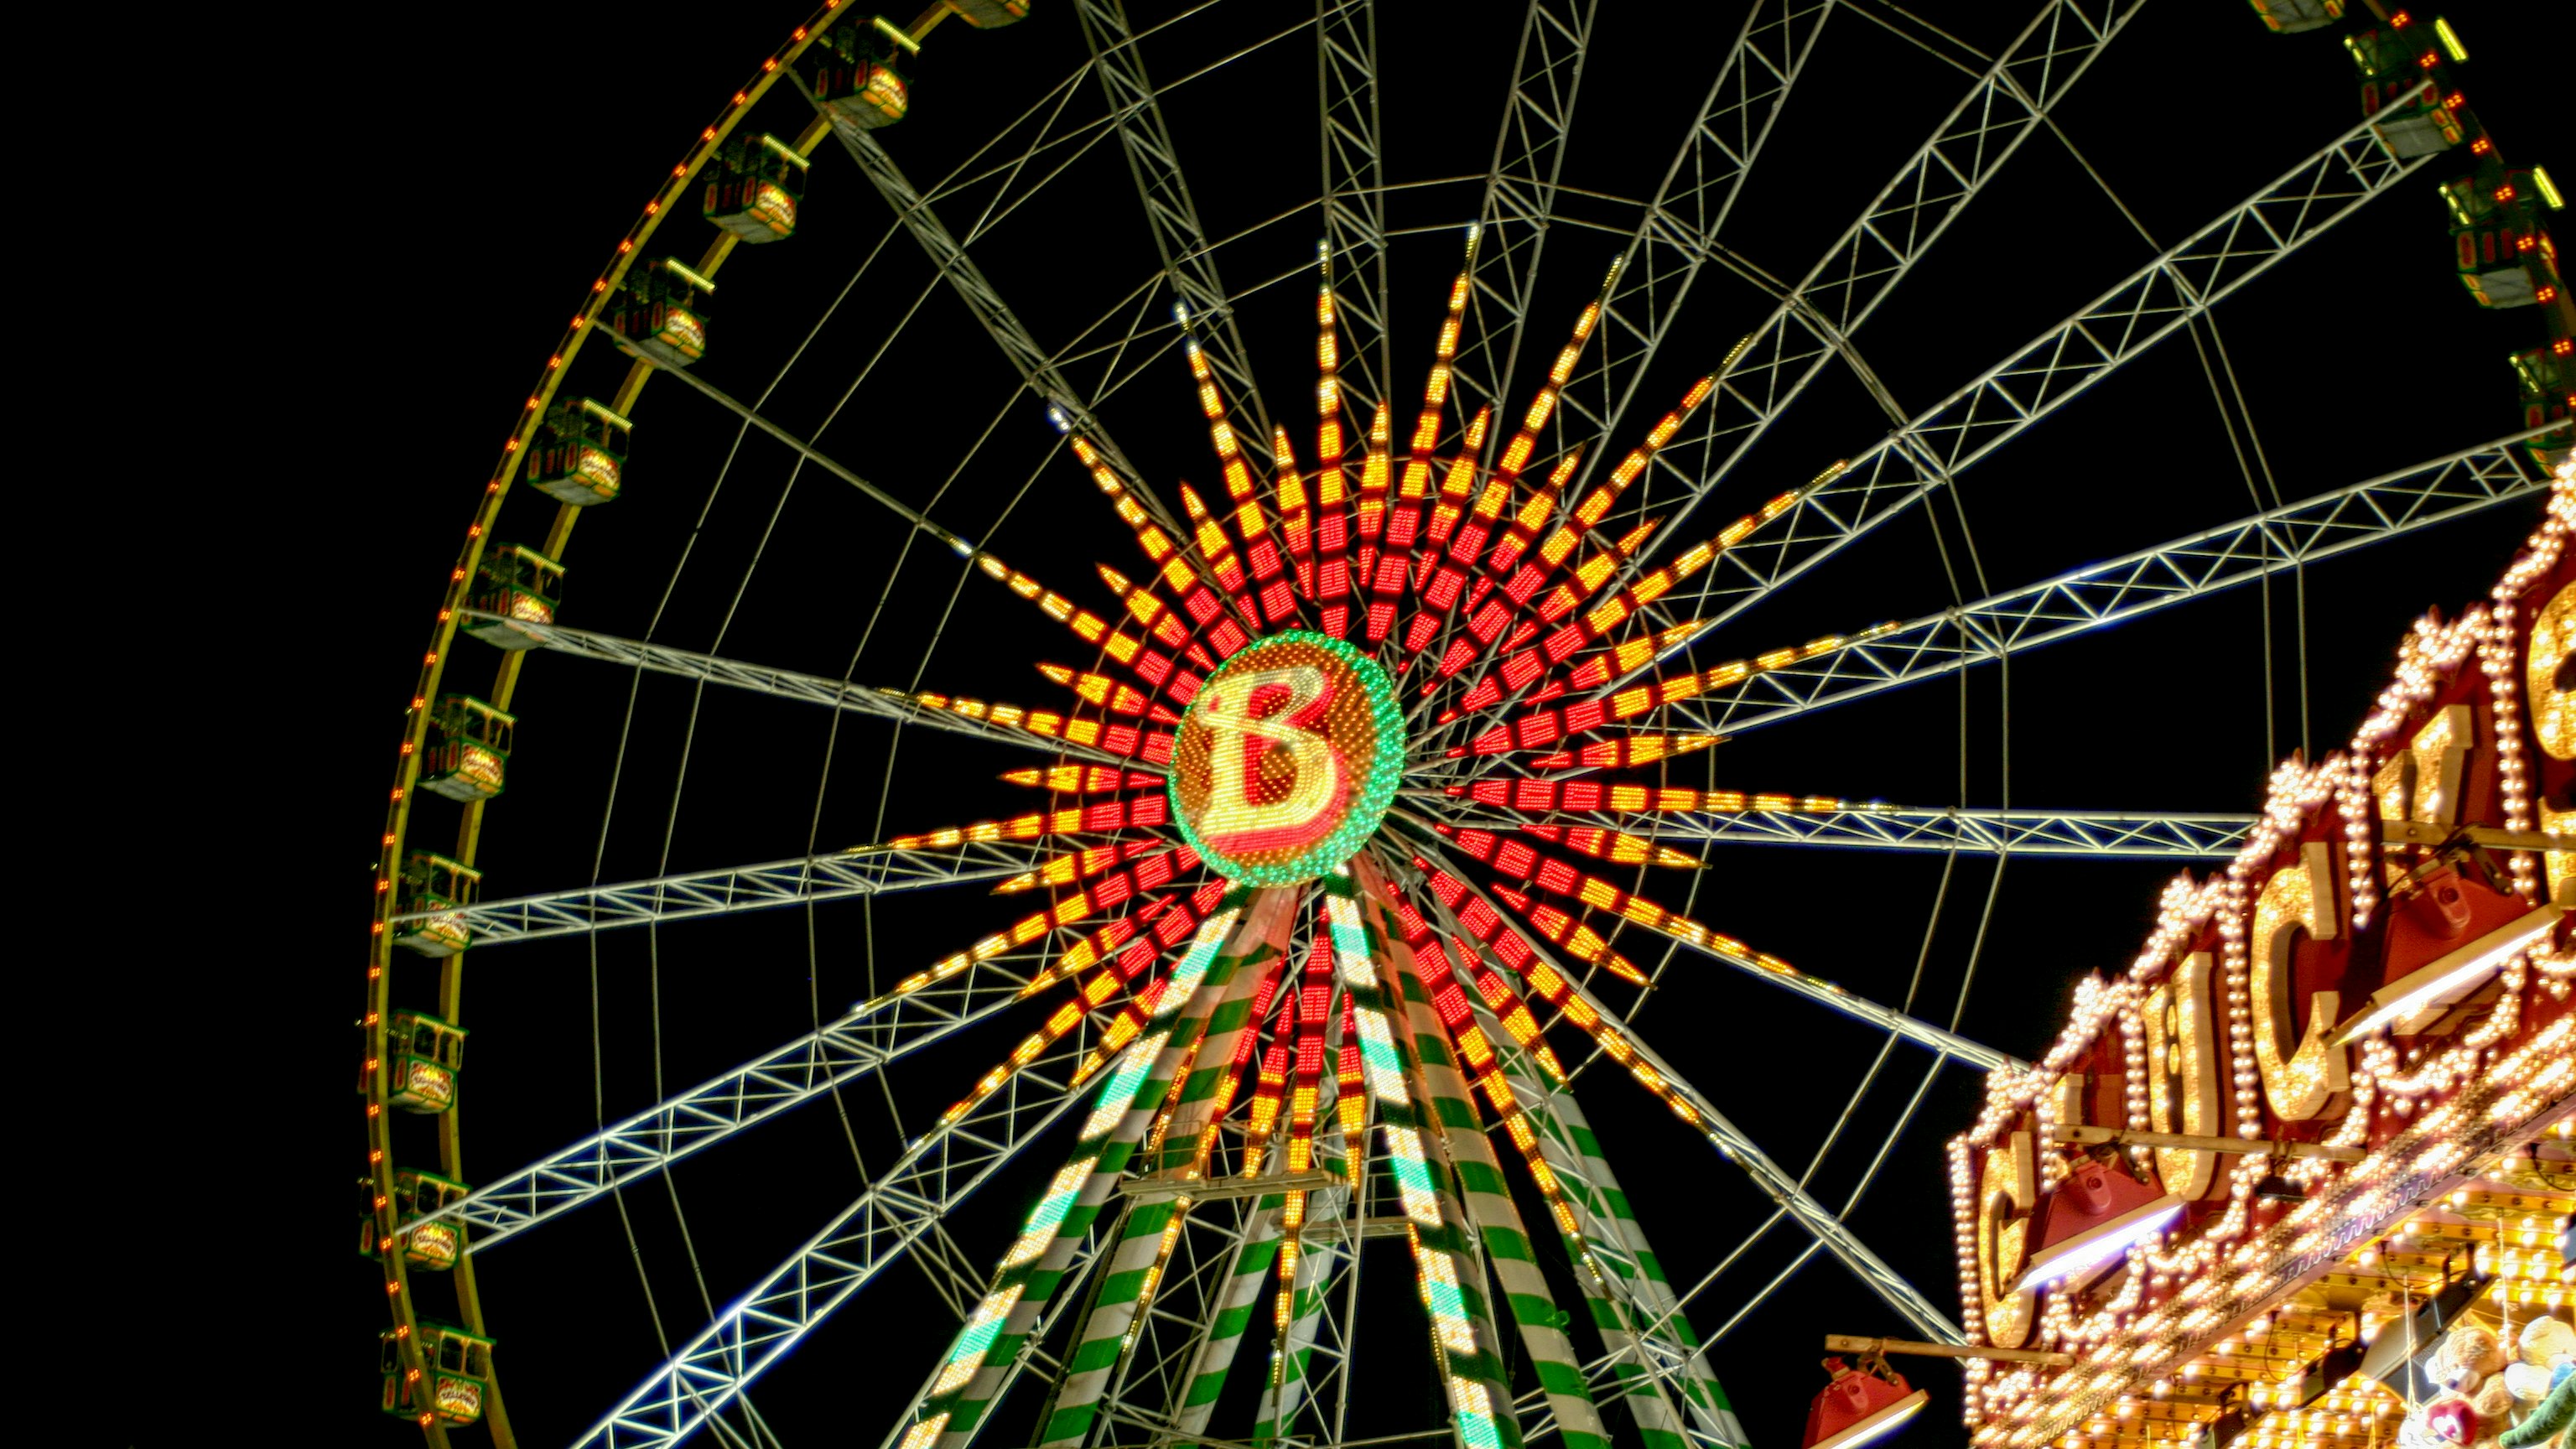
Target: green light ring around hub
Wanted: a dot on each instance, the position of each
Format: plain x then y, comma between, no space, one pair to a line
1386,771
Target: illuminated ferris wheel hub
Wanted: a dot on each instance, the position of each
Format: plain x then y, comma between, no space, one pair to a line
1287,759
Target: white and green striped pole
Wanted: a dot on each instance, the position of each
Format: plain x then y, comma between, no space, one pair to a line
1145,1243
1711,1415
1485,1195
1648,1339
962,1389
1448,1263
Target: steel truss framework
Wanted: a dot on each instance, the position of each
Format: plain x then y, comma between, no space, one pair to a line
885,704
1188,265
872,1035
1188,1321
1944,440
809,880
2121,589
1811,327
1876,826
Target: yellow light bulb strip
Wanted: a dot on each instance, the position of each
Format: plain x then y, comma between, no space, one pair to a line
1296,532
1543,728
1620,798
1152,746
1082,779
1171,565
1081,864
1516,453
1104,817
1615,846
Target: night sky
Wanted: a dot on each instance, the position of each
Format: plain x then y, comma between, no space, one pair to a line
485,161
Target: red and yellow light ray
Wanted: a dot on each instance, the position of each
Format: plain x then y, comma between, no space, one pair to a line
1535,615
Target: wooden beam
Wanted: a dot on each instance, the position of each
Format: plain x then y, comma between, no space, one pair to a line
2235,1146
1849,1343
2416,832
1210,1189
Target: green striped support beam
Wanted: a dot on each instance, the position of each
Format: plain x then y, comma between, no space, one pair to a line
1485,1195
1649,1341
1648,1370
1446,1255
1712,1417
962,1389
1145,1244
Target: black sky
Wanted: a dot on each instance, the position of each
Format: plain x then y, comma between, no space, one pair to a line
451,179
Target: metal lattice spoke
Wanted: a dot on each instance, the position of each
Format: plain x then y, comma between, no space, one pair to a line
943,1166
1823,992
1775,1184
1174,218
1879,826
1679,233
787,684
956,542
1354,189
1953,434
807,880
848,1050
2121,589
1520,194
1036,367
1811,325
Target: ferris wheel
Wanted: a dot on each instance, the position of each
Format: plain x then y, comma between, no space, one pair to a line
1268,883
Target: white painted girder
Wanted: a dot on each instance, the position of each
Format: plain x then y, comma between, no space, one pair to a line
2115,591
1880,826
873,1034
2002,403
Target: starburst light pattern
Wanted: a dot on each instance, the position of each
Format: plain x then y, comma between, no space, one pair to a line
1304,689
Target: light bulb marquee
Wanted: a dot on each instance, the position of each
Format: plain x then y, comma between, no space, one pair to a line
2379,972
1287,759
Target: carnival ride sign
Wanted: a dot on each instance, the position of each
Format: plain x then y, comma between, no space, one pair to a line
1287,758
2355,1049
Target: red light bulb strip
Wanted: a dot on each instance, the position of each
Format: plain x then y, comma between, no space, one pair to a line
1615,846
1082,865
1619,753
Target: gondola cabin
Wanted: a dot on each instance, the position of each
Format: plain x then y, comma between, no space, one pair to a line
579,455
515,586
468,749
660,312
433,1246
423,1057
990,14
2289,17
859,73
430,900
755,187
2504,254
2548,378
460,1369
2402,60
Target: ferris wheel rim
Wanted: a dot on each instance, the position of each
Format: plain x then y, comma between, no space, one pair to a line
445,637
